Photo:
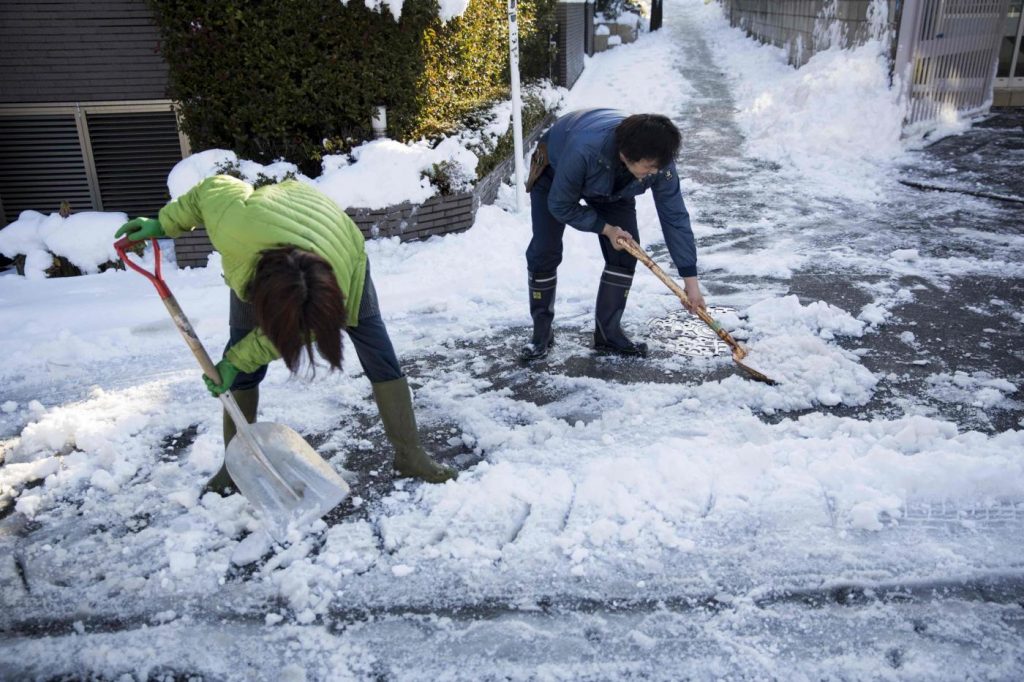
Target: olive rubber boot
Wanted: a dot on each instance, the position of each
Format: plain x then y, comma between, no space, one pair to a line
611,302
394,402
542,310
248,400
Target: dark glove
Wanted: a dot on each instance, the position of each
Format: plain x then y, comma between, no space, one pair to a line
227,372
141,229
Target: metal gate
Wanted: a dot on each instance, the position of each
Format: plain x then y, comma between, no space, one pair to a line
947,53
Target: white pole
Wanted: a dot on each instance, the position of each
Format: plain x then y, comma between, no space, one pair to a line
517,104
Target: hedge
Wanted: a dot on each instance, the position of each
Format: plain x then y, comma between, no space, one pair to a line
299,79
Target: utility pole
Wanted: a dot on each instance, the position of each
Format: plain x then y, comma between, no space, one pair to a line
517,103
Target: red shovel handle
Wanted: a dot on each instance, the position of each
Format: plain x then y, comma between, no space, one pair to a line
123,244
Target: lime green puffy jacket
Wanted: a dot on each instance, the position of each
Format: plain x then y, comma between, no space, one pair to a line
241,222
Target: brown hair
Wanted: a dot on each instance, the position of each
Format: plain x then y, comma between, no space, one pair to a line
298,304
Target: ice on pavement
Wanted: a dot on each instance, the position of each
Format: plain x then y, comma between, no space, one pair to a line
606,489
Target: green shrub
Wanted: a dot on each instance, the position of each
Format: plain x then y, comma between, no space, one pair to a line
234,169
296,80
490,156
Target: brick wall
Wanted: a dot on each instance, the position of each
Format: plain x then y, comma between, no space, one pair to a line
408,222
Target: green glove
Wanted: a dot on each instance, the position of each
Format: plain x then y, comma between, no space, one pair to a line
227,372
141,229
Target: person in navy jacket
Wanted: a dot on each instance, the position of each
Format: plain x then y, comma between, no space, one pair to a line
605,158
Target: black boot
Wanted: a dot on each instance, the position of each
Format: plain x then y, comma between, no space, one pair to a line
542,310
248,400
611,301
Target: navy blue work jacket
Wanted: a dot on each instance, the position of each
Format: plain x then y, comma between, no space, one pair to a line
582,154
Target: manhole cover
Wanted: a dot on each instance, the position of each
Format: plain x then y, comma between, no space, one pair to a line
686,334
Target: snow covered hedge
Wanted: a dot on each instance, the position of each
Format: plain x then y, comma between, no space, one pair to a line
52,245
299,80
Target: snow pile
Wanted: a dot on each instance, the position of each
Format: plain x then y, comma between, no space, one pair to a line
979,389
609,80
790,343
379,173
387,172
85,239
834,122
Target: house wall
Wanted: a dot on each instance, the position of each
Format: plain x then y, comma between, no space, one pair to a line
572,22
79,51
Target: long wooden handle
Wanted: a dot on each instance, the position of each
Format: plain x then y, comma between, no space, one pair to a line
242,431
634,250
189,334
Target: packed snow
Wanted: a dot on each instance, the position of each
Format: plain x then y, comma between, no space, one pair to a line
690,484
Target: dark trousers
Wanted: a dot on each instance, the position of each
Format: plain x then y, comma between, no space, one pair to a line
545,251
370,338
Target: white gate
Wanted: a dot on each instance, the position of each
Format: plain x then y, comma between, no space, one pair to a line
947,54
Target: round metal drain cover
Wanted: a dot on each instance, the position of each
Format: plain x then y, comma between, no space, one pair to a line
686,334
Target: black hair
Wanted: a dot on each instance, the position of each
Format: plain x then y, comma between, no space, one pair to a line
648,136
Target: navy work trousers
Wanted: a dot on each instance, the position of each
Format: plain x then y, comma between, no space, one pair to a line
545,251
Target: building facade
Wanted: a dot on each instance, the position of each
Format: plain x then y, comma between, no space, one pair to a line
84,115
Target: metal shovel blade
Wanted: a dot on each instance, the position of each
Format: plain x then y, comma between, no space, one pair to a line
313,487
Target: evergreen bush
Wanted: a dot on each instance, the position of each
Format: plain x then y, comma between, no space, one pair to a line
297,80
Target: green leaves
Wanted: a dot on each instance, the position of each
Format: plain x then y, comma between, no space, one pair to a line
273,80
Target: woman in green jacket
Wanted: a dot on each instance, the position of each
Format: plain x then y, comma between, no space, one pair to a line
298,273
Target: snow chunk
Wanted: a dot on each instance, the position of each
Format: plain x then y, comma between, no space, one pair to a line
867,515
181,563
777,315
85,239
905,254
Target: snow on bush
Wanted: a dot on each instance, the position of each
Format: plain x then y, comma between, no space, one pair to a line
85,239
374,175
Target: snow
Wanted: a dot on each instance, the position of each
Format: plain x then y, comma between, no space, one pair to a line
352,180
703,493
811,120
448,9
360,185
83,238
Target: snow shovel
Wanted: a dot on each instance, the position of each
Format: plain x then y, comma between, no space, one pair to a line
738,351
273,466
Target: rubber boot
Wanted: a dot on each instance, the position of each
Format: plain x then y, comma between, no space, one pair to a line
611,301
248,400
394,402
542,310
